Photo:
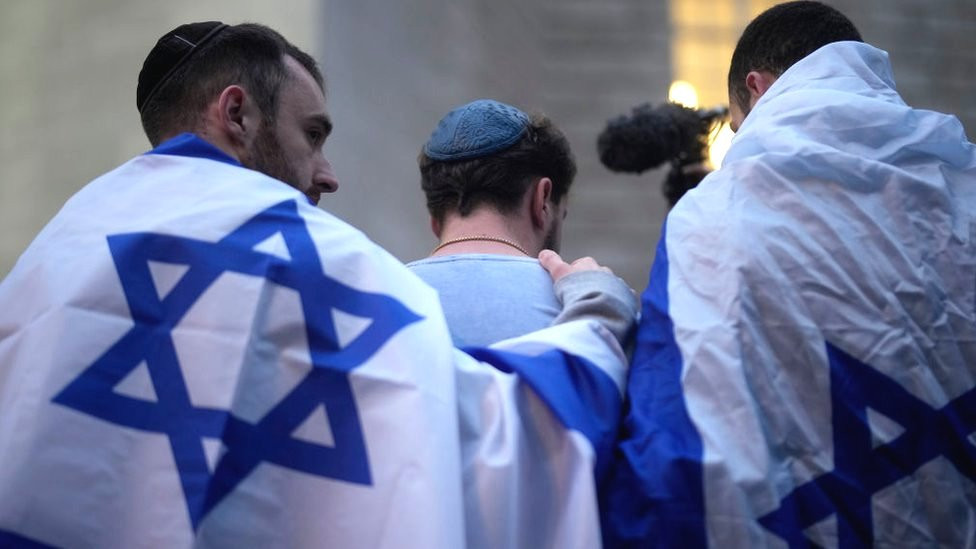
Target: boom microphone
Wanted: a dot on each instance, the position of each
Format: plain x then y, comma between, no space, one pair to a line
651,136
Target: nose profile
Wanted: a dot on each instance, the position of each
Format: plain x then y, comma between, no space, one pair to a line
325,178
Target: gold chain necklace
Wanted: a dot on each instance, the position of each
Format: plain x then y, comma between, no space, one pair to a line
482,238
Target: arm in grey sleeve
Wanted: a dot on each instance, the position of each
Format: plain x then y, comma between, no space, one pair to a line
601,296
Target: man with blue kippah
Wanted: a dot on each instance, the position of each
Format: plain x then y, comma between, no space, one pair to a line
496,182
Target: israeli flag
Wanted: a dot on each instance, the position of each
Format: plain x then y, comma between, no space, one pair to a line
806,366
192,355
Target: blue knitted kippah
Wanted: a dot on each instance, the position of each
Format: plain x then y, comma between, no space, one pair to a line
477,129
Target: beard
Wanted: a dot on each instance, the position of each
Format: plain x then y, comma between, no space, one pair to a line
551,241
268,158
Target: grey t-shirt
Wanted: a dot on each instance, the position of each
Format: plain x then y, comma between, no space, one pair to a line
487,298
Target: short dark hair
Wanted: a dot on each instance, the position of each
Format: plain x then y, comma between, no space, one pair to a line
249,54
500,179
781,36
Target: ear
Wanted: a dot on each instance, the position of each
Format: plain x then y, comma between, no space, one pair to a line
435,226
540,206
757,82
237,116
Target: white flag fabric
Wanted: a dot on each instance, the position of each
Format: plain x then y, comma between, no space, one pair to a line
192,355
805,374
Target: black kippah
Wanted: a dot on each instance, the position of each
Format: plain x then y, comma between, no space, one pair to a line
171,52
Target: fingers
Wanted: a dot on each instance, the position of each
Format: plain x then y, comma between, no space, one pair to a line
552,262
588,264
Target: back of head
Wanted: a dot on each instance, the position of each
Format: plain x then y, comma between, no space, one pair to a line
192,64
489,153
783,35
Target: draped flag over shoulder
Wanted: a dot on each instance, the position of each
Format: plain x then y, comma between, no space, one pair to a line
805,374
192,355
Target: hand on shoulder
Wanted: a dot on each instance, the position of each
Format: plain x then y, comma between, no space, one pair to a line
558,268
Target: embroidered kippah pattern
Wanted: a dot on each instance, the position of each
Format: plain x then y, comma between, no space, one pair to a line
476,129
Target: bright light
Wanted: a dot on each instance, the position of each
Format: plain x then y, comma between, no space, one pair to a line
720,145
683,93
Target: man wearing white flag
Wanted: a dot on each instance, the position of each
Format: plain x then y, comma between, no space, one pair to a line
192,354
805,371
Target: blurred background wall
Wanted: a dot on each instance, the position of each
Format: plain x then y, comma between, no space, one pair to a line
68,74
393,68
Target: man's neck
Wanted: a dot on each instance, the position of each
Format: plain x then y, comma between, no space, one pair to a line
207,131
487,232
218,141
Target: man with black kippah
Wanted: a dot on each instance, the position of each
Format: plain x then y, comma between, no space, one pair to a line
193,354
497,184
245,90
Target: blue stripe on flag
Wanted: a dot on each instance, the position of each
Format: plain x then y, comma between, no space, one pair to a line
581,395
655,494
187,144
12,540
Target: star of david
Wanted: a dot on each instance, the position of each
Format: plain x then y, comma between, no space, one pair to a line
860,471
271,439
